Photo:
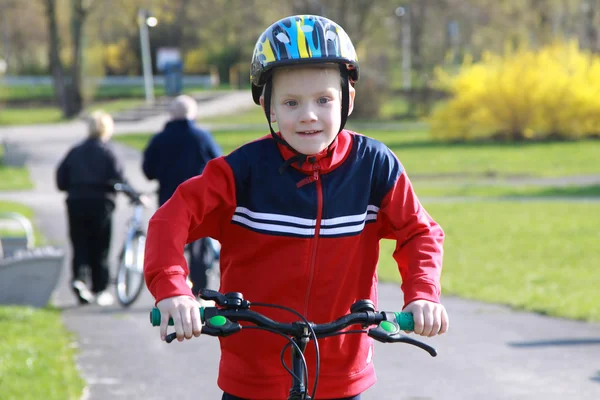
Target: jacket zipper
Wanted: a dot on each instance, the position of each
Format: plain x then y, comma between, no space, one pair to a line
313,261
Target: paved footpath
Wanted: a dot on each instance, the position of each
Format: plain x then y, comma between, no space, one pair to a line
491,352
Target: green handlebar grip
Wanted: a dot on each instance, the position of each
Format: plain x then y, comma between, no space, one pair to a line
405,321
155,317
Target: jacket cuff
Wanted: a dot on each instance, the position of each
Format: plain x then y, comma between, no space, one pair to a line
172,286
421,291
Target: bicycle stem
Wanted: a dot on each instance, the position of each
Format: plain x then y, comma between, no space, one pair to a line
299,386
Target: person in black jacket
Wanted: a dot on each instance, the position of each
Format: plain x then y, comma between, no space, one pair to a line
175,155
87,174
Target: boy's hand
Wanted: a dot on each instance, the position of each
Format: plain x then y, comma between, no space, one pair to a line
186,316
430,318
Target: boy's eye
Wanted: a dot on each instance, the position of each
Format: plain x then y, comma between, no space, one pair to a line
291,103
323,100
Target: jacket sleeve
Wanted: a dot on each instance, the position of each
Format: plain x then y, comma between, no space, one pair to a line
62,174
419,242
116,169
207,145
198,208
150,160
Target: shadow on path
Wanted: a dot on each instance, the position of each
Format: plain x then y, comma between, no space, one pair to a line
557,342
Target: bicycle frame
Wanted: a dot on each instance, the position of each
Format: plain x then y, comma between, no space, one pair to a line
132,251
135,222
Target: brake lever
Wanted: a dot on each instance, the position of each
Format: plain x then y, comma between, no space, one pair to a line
231,300
405,339
386,336
213,295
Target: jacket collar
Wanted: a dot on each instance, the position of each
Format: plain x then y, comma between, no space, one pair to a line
179,123
328,159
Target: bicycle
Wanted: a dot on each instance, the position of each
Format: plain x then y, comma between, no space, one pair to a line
223,322
129,280
211,256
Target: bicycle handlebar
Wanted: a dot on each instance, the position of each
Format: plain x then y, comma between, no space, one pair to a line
224,321
404,320
128,191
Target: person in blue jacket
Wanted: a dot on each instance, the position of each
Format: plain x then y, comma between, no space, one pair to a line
175,155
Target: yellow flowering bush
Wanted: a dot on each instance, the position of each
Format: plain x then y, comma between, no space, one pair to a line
523,94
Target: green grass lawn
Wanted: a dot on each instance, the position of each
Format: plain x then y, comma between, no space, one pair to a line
424,158
9,206
36,351
254,116
13,178
46,92
49,115
425,188
115,106
109,99
25,92
137,141
27,116
36,356
539,256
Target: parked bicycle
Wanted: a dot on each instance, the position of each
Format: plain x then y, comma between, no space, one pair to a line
130,273
233,308
212,255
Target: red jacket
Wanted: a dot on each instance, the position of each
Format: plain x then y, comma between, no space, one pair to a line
306,238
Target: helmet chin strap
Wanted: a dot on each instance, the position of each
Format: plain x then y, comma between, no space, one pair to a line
301,158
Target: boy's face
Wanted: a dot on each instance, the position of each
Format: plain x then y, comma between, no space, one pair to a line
306,104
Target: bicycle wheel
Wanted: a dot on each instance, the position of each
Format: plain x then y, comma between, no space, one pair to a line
130,275
213,257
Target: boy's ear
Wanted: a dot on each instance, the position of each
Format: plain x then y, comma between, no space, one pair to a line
262,104
352,93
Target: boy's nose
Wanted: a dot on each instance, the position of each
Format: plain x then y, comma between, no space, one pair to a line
308,114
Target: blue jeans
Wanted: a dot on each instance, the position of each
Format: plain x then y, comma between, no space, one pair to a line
227,396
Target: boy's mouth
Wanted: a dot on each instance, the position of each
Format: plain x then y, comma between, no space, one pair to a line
309,133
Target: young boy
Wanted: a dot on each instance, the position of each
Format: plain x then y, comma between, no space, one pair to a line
299,215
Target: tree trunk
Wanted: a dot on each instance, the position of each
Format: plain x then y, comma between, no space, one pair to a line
6,46
67,87
77,21
182,10
56,67
417,16
590,30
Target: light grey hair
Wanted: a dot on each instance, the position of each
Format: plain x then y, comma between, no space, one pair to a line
183,107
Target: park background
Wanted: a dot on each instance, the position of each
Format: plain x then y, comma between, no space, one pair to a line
493,107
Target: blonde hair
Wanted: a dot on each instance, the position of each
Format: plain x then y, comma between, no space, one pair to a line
100,125
183,107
